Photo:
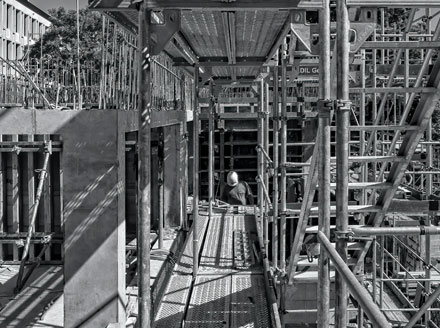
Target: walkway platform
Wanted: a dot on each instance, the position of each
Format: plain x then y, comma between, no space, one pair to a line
229,290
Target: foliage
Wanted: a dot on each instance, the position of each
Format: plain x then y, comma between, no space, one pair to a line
60,40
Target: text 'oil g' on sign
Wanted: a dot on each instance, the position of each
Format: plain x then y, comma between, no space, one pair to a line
309,70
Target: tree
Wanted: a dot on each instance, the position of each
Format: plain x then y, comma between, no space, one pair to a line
60,40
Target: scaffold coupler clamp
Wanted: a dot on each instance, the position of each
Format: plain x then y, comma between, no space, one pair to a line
325,106
342,105
48,147
270,169
344,235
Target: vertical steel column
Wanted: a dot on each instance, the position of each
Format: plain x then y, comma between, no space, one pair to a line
381,270
211,147
184,165
275,149
283,160
374,264
196,172
283,181
261,159
364,167
429,190
342,153
265,173
144,193
374,116
324,163
428,265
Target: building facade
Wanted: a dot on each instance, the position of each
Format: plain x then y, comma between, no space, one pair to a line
21,24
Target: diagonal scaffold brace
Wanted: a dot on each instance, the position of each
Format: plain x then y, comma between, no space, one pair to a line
42,178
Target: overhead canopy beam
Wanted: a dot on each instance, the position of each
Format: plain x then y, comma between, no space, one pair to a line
394,3
118,5
280,38
224,61
229,31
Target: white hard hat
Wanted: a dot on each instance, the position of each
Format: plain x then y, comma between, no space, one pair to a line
232,179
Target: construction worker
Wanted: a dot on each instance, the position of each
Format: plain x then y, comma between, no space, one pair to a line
237,192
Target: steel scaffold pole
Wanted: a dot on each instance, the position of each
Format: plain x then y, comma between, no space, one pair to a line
342,153
324,164
144,136
275,113
196,172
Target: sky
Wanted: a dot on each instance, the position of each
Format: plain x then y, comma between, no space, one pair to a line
68,4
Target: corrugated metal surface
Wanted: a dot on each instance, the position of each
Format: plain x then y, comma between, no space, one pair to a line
256,32
204,32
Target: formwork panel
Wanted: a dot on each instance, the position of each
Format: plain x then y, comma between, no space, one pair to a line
210,302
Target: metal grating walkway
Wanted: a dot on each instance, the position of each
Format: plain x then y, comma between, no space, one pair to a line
229,290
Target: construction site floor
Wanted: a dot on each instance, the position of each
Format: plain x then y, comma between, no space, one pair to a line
229,290
38,305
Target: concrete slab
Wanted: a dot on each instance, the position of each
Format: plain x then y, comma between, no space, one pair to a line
29,307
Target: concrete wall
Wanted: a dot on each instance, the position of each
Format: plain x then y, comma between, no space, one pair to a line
172,175
94,206
93,159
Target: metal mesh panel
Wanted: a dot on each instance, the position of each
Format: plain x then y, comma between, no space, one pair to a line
172,308
217,255
185,262
242,250
249,307
210,302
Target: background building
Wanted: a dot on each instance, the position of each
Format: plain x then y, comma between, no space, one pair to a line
21,23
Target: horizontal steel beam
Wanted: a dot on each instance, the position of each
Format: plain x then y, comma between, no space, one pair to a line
224,61
401,45
394,3
372,231
393,90
123,5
